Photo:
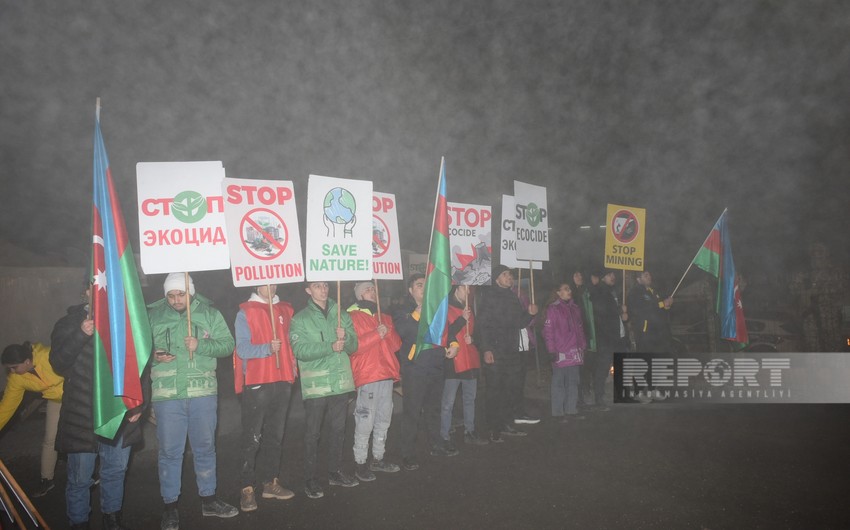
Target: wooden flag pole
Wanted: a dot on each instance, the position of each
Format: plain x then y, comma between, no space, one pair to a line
188,311
274,328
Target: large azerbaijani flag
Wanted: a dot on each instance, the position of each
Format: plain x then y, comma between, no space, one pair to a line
715,258
433,330
122,333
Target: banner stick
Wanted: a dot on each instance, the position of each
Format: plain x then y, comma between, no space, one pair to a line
531,279
274,328
21,496
188,310
378,301
338,304
518,282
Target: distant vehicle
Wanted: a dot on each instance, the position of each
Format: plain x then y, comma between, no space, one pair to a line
767,333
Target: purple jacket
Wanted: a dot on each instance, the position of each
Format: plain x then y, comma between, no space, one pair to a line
564,333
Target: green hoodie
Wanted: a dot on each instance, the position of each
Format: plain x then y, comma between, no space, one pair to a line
324,372
182,378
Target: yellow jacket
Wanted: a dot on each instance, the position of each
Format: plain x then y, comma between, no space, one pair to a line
44,380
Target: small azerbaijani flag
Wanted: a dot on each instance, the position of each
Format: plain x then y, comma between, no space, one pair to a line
122,333
715,258
433,329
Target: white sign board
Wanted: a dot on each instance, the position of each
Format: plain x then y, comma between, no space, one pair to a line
507,252
262,228
386,247
417,263
532,222
339,229
470,230
181,217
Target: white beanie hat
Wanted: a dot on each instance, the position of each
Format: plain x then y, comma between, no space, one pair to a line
360,287
176,281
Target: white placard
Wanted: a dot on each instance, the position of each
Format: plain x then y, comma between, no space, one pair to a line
470,231
181,217
339,229
507,253
262,228
532,222
386,247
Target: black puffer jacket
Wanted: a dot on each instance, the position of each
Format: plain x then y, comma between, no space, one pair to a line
72,356
500,318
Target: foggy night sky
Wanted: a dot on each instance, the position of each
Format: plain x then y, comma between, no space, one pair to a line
683,108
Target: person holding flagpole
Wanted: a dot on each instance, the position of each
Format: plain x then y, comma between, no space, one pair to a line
72,356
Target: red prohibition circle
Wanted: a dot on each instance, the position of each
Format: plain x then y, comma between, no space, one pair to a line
630,228
266,240
386,247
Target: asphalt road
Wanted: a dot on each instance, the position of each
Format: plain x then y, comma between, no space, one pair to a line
637,466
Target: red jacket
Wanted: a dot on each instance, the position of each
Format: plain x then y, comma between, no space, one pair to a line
265,370
375,358
467,357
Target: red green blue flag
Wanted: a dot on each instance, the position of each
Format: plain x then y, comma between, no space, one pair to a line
715,258
122,336
433,329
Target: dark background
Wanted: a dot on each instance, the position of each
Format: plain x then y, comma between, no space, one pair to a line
683,108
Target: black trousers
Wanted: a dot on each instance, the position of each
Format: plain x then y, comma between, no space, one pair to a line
264,412
315,410
423,394
503,377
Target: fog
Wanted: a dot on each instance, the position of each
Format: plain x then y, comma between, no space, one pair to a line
683,108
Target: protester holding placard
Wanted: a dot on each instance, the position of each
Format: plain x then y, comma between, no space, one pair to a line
185,392
462,371
609,315
263,372
375,369
322,339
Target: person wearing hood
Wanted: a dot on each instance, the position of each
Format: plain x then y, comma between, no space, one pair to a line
264,369
72,357
563,331
185,392
375,369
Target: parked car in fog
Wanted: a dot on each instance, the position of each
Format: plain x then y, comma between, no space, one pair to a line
767,333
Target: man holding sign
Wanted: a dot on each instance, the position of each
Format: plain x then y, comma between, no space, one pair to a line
263,372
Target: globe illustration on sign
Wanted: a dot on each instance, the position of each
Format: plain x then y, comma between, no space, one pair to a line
340,211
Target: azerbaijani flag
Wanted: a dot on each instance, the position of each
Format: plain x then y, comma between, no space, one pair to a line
715,258
122,333
433,329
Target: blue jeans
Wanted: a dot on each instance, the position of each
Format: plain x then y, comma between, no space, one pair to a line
373,413
175,419
470,388
113,465
565,384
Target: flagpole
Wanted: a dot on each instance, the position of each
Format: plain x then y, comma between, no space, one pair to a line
271,317
698,251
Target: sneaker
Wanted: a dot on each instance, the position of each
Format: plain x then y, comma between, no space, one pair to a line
444,448
217,508
496,438
248,503
410,464
339,478
313,489
381,466
363,473
112,521
526,419
43,488
507,430
170,520
273,490
473,439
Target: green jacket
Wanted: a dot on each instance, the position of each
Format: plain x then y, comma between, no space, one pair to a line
182,378
324,372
